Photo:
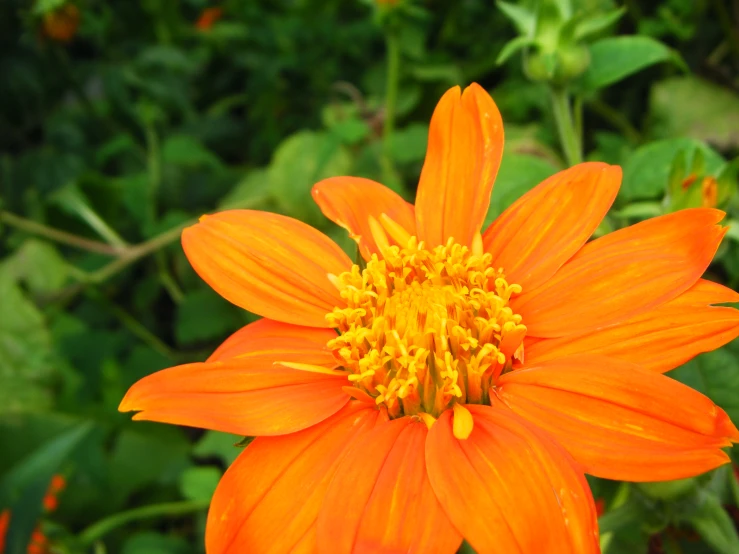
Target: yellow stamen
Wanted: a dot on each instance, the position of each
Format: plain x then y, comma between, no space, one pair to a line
477,246
463,422
424,330
311,368
428,419
378,233
395,230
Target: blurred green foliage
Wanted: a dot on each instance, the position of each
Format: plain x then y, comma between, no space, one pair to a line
121,122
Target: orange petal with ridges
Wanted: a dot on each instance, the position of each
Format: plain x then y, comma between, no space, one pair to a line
660,339
381,501
544,228
246,395
623,274
705,292
350,201
286,342
509,487
269,264
269,498
464,150
621,421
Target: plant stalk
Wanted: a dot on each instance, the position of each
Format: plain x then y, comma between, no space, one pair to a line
56,235
98,530
568,135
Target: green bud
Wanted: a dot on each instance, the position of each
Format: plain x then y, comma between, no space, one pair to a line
573,61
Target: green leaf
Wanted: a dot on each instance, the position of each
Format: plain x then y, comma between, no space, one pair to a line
621,529
149,542
43,7
647,171
518,174
187,151
251,189
203,316
693,107
352,130
593,25
511,47
714,524
199,483
715,374
640,210
668,490
147,454
221,445
22,489
299,162
523,19
615,58
448,73
26,356
39,265
408,145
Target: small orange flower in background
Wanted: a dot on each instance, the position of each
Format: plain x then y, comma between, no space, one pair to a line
38,543
61,23
459,384
207,18
709,192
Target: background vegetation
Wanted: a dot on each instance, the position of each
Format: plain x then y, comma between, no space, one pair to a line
121,121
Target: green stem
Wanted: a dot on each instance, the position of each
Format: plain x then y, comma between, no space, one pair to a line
392,82
98,530
154,168
99,225
58,236
135,253
566,126
167,279
134,326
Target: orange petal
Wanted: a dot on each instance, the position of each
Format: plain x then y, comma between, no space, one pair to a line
464,150
705,292
509,487
623,274
269,264
249,394
286,342
350,201
660,339
621,421
380,500
269,498
533,238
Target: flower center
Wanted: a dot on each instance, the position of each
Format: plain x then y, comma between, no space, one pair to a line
425,329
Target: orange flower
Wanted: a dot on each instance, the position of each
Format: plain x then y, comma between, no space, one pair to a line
61,23
37,544
4,524
51,500
207,18
709,192
460,383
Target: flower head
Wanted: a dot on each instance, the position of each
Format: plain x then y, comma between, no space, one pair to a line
61,23
208,17
458,383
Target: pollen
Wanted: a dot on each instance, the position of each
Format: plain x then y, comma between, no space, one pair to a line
425,329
